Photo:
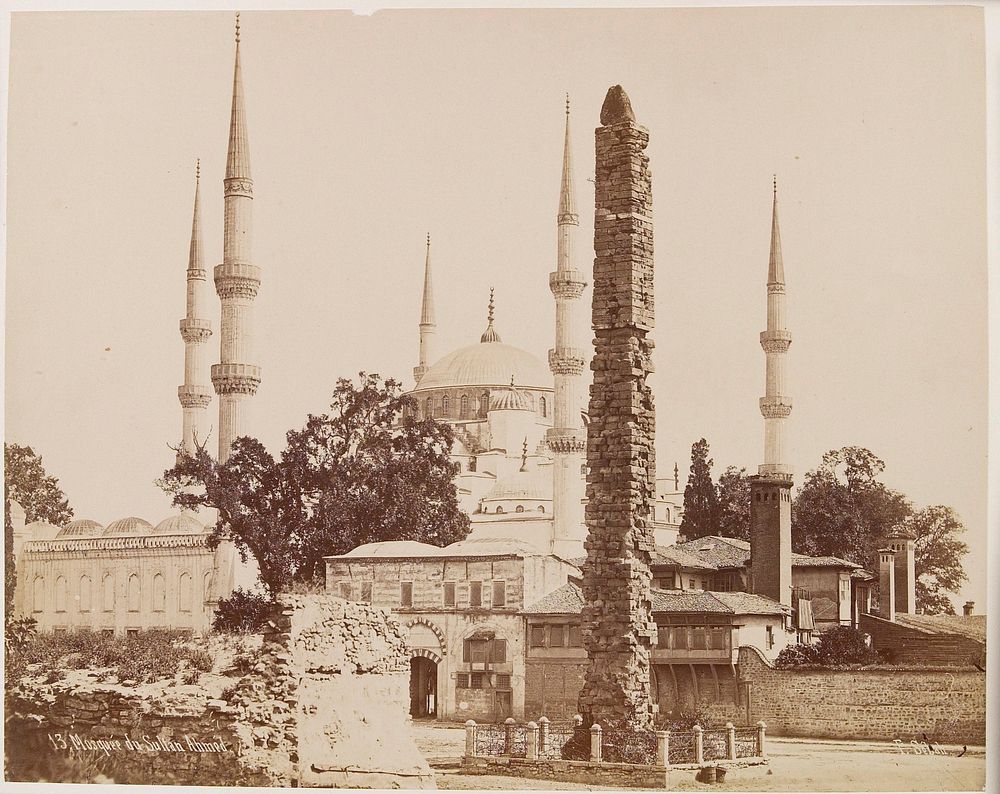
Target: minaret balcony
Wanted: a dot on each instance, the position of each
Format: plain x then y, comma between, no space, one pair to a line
566,440
776,341
237,279
567,284
775,407
194,329
567,361
235,378
194,396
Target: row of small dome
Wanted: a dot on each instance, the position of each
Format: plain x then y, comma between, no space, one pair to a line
124,527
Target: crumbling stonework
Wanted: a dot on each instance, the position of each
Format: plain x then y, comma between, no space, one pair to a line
619,628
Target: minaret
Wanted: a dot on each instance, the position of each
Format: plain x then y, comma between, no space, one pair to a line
195,331
771,489
567,438
236,279
427,323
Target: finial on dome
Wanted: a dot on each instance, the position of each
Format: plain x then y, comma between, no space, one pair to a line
567,103
774,183
524,455
490,334
512,380
237,27
428,239
197,170
677,477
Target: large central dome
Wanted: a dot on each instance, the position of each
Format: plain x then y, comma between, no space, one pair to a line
487,364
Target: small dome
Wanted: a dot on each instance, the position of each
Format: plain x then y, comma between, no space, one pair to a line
81,528
509,399
532,485
181,524
394,548
128,526
41,530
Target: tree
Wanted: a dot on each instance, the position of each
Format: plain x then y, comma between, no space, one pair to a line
842,509
734,503
938,558
26,482
366,471
700,500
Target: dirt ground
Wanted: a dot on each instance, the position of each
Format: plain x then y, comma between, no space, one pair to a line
795,765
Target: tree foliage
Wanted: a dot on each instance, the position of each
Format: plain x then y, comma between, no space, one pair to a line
734,504
843,510
701,506
26,482
938,557
366,471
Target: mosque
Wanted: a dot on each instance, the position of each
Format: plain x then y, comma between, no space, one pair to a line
494,620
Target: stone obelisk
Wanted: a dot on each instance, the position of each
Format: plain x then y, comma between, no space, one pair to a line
618,624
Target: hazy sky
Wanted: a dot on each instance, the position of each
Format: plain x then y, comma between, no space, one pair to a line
368,132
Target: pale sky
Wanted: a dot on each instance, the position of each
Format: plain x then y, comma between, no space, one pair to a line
368,132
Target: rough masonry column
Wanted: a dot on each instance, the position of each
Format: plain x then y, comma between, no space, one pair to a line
619,627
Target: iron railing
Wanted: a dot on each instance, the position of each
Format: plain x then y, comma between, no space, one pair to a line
629,746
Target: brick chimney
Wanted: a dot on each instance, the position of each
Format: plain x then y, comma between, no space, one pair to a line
967,608
887,583
903,543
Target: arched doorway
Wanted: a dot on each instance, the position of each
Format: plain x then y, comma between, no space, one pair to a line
423,687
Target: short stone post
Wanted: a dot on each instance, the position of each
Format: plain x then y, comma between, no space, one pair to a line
699,744
508,735
531,749
543,734
760,738
730,741
470,738
596,739
663,748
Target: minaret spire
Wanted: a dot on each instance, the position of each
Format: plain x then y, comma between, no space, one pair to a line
771,489
236,279
567,438
490,334
193,395
428,325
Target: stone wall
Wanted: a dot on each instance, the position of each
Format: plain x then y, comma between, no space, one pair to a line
587,772
325,704
618,621
948,705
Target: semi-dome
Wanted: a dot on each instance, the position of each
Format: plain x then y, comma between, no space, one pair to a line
509,399
531,485
181,524
128,526
487,364
81,528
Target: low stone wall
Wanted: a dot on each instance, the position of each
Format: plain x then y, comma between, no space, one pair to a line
947,705
588,772
325,704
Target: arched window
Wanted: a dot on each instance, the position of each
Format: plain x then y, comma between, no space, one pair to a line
543,406
472,463
132,593
184,592
428,408
464,406
206,589
445,405
38,595
541,508
108,593
61,594
499,509
519,509
666,515
85,596
159,593
484,403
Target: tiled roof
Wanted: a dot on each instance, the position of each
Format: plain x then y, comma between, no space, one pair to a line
673,555
973,626
567,600
722,552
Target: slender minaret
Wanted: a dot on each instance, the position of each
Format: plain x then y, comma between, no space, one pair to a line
427,323
195,331
567,438
236,279
771,489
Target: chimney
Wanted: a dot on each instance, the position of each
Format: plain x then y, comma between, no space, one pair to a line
967,608
887,584
902,541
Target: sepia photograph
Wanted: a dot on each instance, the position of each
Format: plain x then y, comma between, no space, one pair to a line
495,399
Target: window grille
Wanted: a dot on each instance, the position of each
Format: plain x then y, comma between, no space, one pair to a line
449,594
499,594
366,592
538,636
406,594
475,594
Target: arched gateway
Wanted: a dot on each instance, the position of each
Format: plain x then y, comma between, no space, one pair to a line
426,643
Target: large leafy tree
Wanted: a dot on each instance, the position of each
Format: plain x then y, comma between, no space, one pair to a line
844,510
366,471
27,483
734,503
701,506
939,553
